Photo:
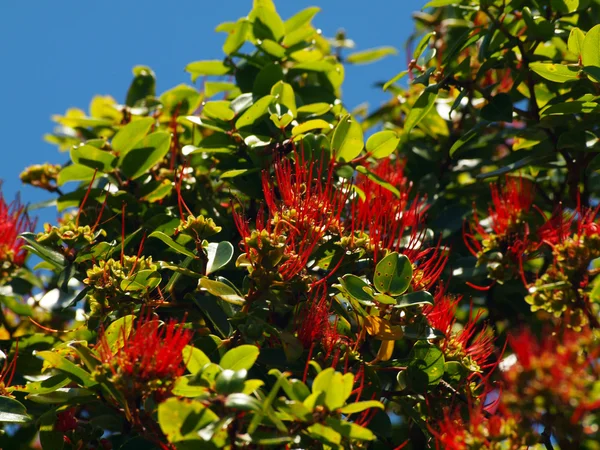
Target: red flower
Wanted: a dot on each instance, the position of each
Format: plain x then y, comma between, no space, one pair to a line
314,325
151,351
563,223
382,214
509,203
13,221
469,342
7,372
303,207
428,264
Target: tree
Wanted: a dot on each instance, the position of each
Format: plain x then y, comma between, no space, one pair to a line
237,267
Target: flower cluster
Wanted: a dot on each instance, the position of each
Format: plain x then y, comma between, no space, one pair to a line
14,220
148,358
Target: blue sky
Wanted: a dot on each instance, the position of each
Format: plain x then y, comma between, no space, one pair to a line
60,54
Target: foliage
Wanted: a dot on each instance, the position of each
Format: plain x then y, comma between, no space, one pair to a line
251,265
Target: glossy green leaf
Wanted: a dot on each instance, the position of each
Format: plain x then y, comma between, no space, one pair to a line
382,143
355,287
145,154
219,255
350,430
395,79
48,254
314,109
420,109
414,299
315,124
575,43
284,95
429,359
118,331
347,141
242,402
324,434
559,73
219,110
300,19
237,36
241,357
180,419
73,371
194,359
267,23
393,274
371,55
75,172
255,112
590,52
221,290
202,68
143,280
94,158
12,411
230,381
352,408
131,134
142,86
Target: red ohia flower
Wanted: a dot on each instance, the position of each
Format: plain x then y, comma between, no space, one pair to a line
467,344
383,215
303,207
562,224
509,203
151,351
13,221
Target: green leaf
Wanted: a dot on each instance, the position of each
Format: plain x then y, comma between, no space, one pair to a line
370,55
267,23
428,359
145,154
361,406
219,254
242,402
575,43
236,173
171,243
590,52
89,156
565,6
499,109
131,134
284,95
219,110
393,274
414,298
46,386
421,45
336,386
194,359
75,172
63,395
118,331
315,124
12,411
592,72
48,254
230,381
212,88
382,143
142,86
186,386
420,109
467,137
50,439
324,434
237,36
181,419
255,112
355,287
395,79
202,68
73,371
144,280
300,19
350,430
347,141
438,3
241,357
179,101
314,109
558,73
378,180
